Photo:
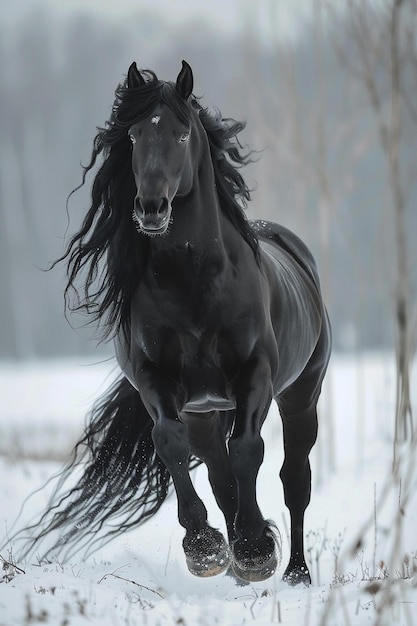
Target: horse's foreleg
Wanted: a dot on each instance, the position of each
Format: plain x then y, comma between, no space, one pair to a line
255,552
300,432
206,550
171,442
207,438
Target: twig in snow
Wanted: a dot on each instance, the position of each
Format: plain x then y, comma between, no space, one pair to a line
127,580
10,568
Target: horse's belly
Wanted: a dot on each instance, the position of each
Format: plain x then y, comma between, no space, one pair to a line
207,389
206,402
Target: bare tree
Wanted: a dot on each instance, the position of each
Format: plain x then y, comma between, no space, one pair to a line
384,51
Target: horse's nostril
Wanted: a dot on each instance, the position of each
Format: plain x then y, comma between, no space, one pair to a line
138,206
157,207
163,207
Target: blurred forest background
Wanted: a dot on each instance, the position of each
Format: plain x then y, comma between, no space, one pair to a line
331,114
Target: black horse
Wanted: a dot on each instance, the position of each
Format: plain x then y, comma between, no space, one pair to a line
213,317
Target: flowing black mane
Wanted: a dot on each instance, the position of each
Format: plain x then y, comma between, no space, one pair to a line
107,250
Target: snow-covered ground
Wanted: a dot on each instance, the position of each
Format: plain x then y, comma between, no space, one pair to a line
361,525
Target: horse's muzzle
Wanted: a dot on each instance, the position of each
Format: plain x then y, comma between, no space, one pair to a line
152,215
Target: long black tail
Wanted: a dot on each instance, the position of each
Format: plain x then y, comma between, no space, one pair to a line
122,478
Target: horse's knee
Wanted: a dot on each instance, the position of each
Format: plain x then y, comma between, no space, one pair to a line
170,439
246,455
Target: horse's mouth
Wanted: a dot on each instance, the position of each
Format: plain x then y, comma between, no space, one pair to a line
152,226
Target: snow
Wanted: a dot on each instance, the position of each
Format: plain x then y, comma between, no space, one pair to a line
141,578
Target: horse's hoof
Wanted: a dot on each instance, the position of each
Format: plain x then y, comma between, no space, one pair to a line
252,571
297,575
257,561
206,552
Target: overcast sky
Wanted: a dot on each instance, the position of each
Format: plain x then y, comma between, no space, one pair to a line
225,14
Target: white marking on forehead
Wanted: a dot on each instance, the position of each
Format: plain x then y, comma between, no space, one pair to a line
155,120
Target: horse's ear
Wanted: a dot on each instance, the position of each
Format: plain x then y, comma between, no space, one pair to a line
185,81
134,77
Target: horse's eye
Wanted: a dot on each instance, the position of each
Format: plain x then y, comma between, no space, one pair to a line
184,137
132,138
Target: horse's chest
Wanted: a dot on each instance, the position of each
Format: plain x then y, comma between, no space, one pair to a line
203,364
197,329
182,347
186,309
189,331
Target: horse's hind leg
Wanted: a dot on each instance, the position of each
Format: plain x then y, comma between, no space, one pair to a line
300,432
298,410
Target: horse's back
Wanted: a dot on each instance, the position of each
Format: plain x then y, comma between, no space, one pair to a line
286,240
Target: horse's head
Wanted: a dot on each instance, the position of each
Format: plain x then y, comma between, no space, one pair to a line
161,153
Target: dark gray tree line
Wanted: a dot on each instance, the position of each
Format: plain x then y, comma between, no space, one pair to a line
322,166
